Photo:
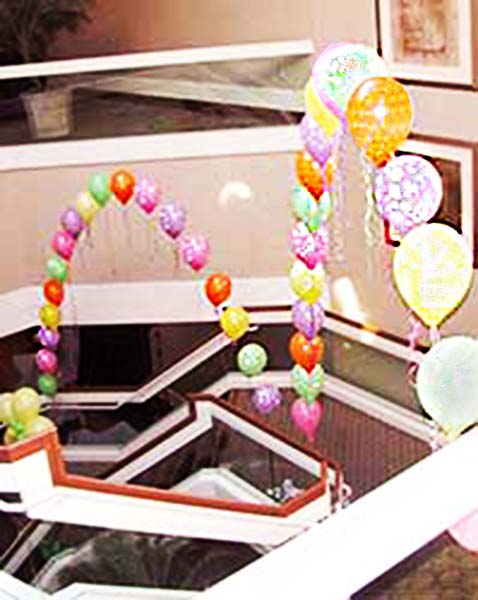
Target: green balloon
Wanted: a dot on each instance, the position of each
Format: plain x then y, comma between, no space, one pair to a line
99,188
324,206
48,384
314,222
57,268
251,359
308,386
302,203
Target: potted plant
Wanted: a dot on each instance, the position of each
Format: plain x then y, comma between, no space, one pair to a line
28,28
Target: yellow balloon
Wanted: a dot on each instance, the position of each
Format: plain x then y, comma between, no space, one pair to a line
39,425
10,436
317,109
6,408
234,322
307,284
87,207
50,316
433,269
25,405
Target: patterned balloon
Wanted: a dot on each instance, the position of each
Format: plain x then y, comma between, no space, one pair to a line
252,359
195,251
266,398
307,318
380,116
306,417
310,248
172,219
340,68
319,112
315,141
408,192
47,361
307,284
146,194
309,174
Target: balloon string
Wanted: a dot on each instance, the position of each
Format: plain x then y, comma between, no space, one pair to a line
434,335
415,331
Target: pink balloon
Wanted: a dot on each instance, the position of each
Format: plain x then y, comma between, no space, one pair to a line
307,417
63,243
47,361
310,248
465,532
146,194
195,251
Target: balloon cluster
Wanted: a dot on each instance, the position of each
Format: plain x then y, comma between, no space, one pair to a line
20,411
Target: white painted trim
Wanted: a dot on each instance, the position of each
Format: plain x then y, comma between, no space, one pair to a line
12,588
141,60
86,591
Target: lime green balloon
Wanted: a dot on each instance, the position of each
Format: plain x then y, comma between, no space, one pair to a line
302,203
305,385
25,405
48,384
252,359
57,268
40,425
314,222
99,188
6,409
324,207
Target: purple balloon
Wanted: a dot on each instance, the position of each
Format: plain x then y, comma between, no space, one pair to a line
317,144
308,319
48,338
172,219
47,361
266,398
72,222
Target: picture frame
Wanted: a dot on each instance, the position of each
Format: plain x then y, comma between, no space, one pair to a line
457,163
429,42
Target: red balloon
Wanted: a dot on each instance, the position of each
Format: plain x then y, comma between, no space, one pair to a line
306,353
218,288
122,185
53,292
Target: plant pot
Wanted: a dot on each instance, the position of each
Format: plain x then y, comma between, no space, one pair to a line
49,113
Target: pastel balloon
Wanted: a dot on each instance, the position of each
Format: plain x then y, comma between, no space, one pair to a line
309,174
6,408
408,192
146,194
10,436
252,359
315,140
63,244
57,268
38,426
50,316
218,288
172,219
48,338
380,118
303,205
307,284
307,385
340,68
53,291
122,185
234,322
447,383
72,222
465,532
306,417
308,319
99,188
311,248
266,398
306,353
87,208
319,112
47,361
433,270
195,251
48,384
25,405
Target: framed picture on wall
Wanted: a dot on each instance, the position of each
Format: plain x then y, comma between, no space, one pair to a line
429,41
456,161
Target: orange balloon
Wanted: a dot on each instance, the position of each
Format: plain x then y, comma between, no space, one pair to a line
53,292
122,185
306,353
218,288
309,174
380,116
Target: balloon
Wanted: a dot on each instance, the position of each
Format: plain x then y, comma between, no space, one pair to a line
25,405
465,532
87,208
303,205
306,385
172,219
63,244
252,359
408,192
380,116
309,174
57,269
310,248
308,319
266,398
10,436
99,188
50,316
306,353
71,222
47,384
53,292
195,251
47,361
38,426
447,383
234,322
146,195
122,185
315,140
319,112
339,69
324,207
306,417
307,284
48,338
218,288
433,269
6,408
